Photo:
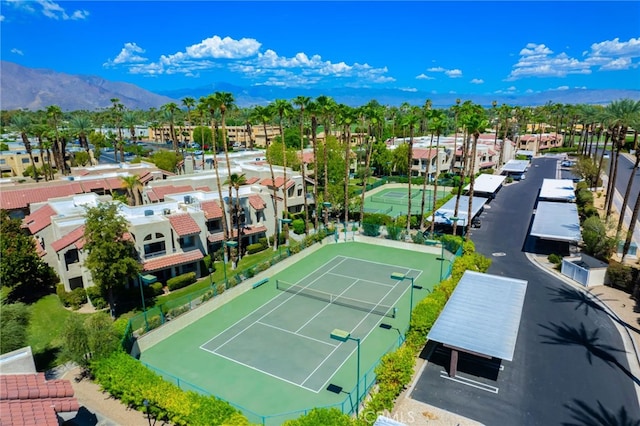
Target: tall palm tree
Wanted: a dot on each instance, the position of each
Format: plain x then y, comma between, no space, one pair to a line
130,121
302,102
374,114
236,180
475,122
505,115
169,112
39,130
189,103
632,224
456,111
132,184
225,102
428,114
116,117
411,120
438,124
312,109
22,123
346,117
81,126
282,109
327,107
263,115
54,116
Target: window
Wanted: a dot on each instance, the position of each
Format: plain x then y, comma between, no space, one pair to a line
71,257
25,161
75,283
187,242
214,226
154,249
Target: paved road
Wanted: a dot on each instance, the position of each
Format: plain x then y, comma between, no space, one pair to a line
569,364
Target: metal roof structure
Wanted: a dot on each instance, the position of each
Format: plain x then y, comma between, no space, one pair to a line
446,212
556,221
486,183
557,190
482,315
515,166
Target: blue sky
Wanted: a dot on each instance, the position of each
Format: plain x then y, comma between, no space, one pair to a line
438,47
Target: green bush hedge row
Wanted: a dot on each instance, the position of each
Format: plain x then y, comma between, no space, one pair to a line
181,281
131,382
74,298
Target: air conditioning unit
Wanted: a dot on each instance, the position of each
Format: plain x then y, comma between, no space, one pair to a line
148,212
166,212
188,199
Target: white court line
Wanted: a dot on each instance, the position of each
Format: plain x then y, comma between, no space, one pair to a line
469,382
295,333
322,310
271,300
276,307
262,371
351,353
356,278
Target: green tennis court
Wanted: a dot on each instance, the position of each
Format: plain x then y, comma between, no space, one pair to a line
269,351
393,202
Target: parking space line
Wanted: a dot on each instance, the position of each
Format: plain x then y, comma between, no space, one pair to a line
469,382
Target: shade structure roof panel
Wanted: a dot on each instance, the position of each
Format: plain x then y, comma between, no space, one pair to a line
557,189
446,212
486,183
482,315
515,166
556,221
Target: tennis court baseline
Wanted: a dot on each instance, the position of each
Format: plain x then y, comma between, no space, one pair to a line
288,336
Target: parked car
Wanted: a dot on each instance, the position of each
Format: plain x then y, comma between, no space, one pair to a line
476,223
568,163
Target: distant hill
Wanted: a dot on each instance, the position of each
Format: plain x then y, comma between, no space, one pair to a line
22,87
34,89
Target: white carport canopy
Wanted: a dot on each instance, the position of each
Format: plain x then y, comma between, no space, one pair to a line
481,317
485,183
446,212
556,221
557,190
515,166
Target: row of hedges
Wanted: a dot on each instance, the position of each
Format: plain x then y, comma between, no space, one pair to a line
181,281
74,298
131,382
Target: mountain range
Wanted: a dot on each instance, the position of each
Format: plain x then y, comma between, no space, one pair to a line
33,89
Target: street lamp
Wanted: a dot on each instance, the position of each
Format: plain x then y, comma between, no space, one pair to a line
144,309
231,244
146,407
399,276
343,336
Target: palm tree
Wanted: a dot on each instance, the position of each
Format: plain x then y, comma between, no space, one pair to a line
81,126
632,225
410,121
130,121
132,184
116,116
374,114
346,117
302,102
475,122
169,115
438,125
327,107
282,109
224,101
236,180
263,115
312,109
54,115
39,130
456,111
22,123
189,103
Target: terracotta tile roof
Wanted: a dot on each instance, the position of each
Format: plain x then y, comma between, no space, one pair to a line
279,182
425,154
163,262
29,399
211,209
203,188
91,184
161,191
184,224
40,251
250,230
252,180
75,236
306,158
257,202
487,164
21,198
39,219
213,238
145,177
114,183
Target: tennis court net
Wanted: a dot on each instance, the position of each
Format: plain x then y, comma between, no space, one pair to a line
391,200
361,305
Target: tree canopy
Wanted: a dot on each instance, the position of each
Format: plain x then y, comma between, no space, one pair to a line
112,258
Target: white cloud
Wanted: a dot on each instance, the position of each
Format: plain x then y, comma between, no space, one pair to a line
456,73
423,76
408,89
477,81
561,88
128,55
436,69
53,10
1,18
17,51
537,60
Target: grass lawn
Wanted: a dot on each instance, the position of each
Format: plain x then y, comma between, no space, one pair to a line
48,316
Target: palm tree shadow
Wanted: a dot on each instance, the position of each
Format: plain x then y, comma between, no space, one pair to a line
584,414
568,335
588,302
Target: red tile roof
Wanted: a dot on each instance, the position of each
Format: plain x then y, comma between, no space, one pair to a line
252,180
163,262
184,224
39,219
158,193
75,236
279,182
21,198
423,153
257,202
213,238
307,157
91,184
29,399
203,188
145,177
114,183
211,209
250,230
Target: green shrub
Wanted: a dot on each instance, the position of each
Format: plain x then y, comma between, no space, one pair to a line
181,281
74,298
157,288
584,197
298,226
620,276
556,259
95,296
256,248
581,185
